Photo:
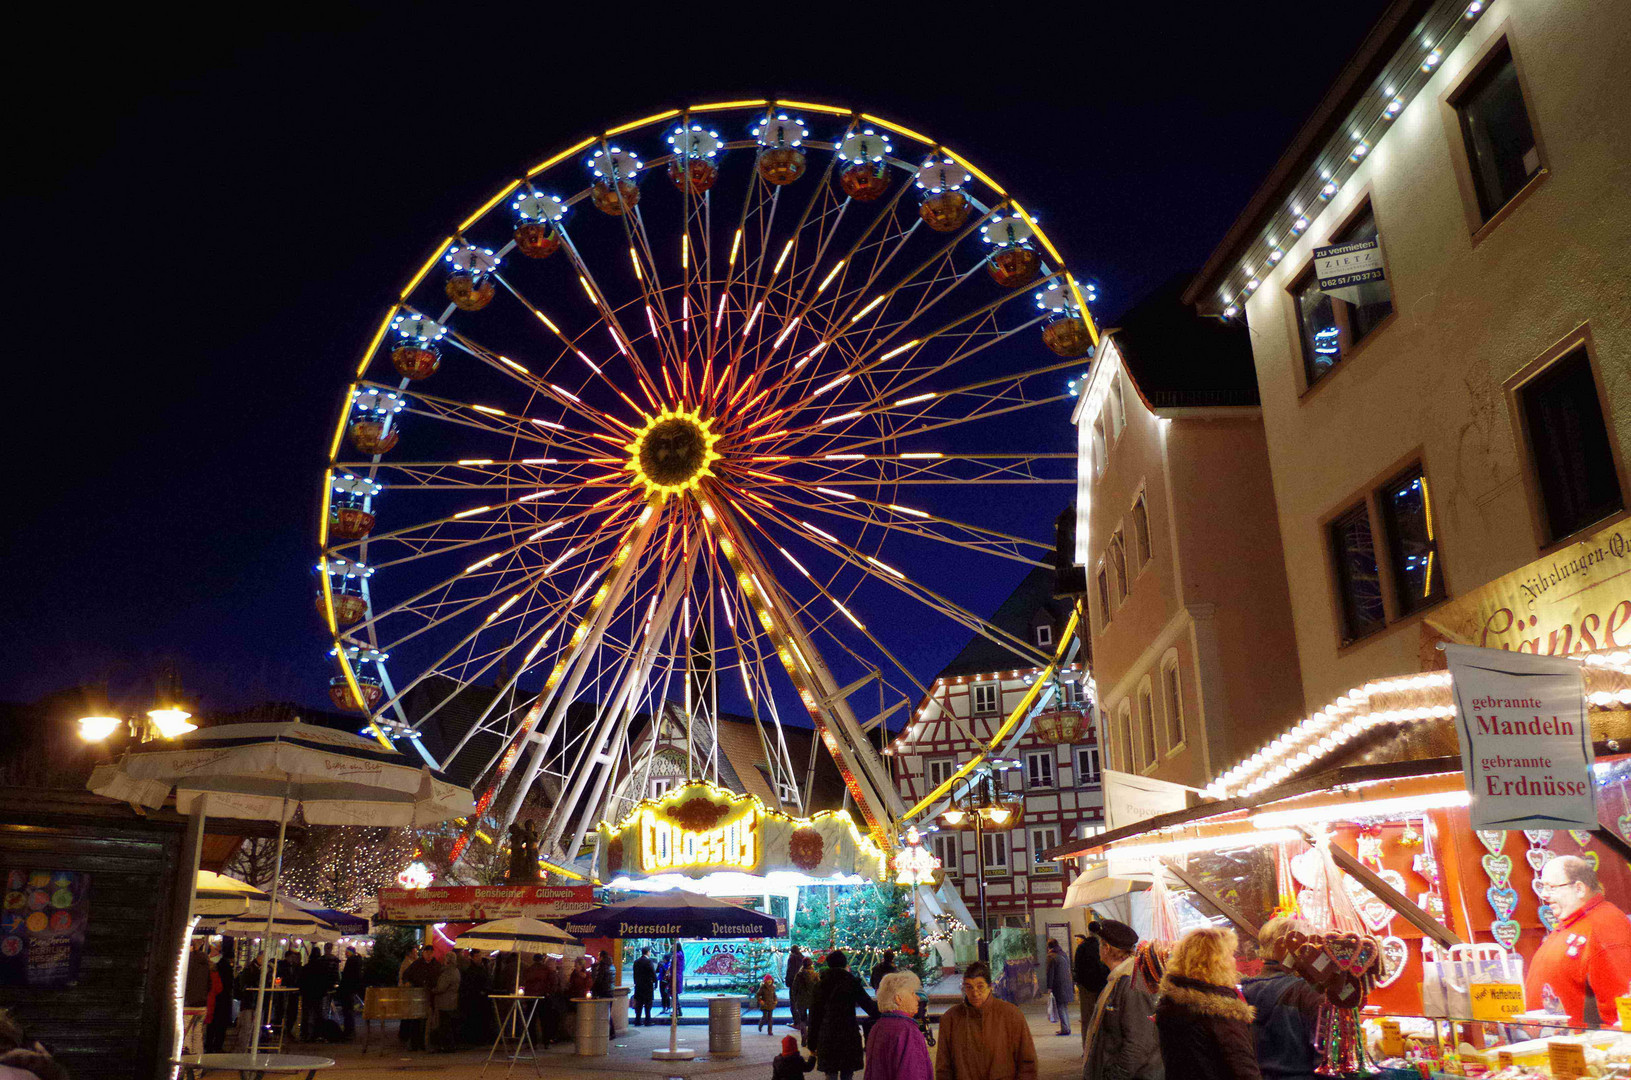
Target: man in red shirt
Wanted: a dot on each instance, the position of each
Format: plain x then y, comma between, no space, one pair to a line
1585,963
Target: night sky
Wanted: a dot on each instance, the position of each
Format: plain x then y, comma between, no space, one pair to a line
206,222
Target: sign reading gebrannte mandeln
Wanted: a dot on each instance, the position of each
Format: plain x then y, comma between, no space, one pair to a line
1525,739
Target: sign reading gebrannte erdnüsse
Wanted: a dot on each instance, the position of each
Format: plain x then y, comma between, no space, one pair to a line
1525,739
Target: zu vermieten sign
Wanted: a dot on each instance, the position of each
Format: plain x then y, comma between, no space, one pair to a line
1345,270
1525,739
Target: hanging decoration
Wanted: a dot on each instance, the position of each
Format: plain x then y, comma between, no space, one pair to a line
1493,839
1285,881
1344,967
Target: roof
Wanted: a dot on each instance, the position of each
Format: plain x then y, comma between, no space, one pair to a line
1379,61
1031,602
1178,358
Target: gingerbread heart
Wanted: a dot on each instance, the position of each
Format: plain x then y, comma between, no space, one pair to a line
1394,954
1343,949
1538,857
1499,868
1506,931
1540,837
1494,840
1432,903
1535,884
1593,858
1504,900
1365,958
1581,838
1548,917
1623,823
1375,913
1307,870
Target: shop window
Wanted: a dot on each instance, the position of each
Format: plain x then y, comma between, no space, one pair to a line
1044,635
1353,551
1146,723
1570,447
1118,563
659,788
1412,551
1039,769
1500,140
1087,765
996,852
1331,327
947,848
1100,454
1042,840
939,771
1104,596
1118,411
1141,531
985,698
1124,737
1173,701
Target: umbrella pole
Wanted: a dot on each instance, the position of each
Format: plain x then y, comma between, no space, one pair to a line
271,912
674,1012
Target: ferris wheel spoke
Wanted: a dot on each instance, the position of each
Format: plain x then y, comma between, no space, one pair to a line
561,396
619,334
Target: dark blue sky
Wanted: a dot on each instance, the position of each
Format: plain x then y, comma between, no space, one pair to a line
206,221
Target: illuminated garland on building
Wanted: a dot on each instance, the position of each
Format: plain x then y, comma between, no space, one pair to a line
343,866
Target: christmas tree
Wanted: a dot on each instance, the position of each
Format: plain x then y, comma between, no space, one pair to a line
344,866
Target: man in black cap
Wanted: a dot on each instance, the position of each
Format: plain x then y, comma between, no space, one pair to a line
1089,974
1122,1040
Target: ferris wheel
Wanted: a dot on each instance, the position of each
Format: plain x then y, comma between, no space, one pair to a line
688,415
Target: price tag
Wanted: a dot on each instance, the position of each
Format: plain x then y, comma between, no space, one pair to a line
1503,1059
1567,1059
1624,1005
1392,1042
1495,1001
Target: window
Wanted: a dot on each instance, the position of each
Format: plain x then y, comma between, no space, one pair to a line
948,849
1570,446
1172,689
1501,149
1042,840
1044,634
939,771
1141,532
996,852
1330,327
1118,563
1104,595
1418,579
1118,412
1039,768
1358,579
659,788
1099,452
1123,749
985,698
1146,723
1087,765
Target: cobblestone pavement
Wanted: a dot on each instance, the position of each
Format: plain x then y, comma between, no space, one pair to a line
1059,1057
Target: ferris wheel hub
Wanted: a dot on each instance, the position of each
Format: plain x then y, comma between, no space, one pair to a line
673,453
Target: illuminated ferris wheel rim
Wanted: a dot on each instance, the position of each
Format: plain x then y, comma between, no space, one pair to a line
350,650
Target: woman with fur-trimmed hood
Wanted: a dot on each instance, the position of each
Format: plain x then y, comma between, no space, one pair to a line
1205,1026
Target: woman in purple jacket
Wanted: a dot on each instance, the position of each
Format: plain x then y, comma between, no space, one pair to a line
896,1049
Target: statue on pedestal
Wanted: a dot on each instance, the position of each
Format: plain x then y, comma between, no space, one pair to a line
524,855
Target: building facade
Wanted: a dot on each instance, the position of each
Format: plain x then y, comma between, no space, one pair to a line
1193,654
1057,778
1465,410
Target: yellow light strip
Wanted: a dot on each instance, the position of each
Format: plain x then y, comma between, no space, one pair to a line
435,257
972,168
642,122
810,106
892,126
562,156
379,335
715,106
339,430
488,205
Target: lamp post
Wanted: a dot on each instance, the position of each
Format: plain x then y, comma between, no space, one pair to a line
980,805
166,720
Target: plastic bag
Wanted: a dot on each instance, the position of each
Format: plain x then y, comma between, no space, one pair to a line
1053,1008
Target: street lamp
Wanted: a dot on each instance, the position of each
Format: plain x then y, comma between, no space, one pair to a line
980,805
164,721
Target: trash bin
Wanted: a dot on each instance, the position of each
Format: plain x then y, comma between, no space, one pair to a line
620,1010
594,1019
725,1027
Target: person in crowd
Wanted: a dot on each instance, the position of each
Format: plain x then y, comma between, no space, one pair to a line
803,994
835,1034
421,974
896,1048
408,959
446,1002
645,983
316,980
983,1037
351,990
790,1064
218,1005
1122,1043
1585,963
605,977
1089,974
1056,977
538,981
475,1014
582,980
1205,1026
1287,1007
665,967
795,963
765,998
677,973
23,1058
196,995
249,981
285,1013
884,966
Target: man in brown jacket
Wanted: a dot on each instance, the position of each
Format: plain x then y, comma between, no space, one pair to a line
983,1037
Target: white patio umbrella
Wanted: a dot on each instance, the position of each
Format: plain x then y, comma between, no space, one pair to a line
286,921
269,771
216,896
519,936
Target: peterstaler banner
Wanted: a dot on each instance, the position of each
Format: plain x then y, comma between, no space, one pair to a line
1525,739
